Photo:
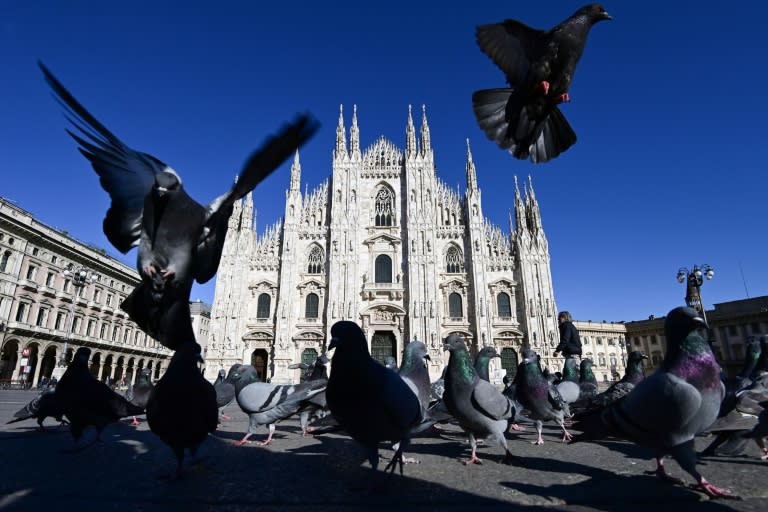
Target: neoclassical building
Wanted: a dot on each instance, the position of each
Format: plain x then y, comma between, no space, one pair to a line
383,242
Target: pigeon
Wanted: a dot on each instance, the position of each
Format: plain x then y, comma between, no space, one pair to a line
225,390
391,363
760,431
480,408
666,410
265,403
42,406
139,393
737,417
751,359
179,240
568,385
539,66
483,361
88,402
315,407
587,380
761,369
371,403
182,408
635,372
540,397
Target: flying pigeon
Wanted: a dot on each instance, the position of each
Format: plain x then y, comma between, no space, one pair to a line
182,408
635,372
539,396
88,402
138,394
267,404
225,390
539,66
42,406
179,240
480,408
666,410
371,403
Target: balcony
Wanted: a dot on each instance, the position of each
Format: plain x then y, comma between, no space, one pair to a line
29,284
389,291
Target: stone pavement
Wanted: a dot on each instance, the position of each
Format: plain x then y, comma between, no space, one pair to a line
327,472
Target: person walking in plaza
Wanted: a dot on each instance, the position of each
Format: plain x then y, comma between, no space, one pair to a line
570,343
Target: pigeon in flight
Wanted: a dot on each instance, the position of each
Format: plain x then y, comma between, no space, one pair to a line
666,410
539,66
481,409
370,402
182,408
179,240
86,401
42,406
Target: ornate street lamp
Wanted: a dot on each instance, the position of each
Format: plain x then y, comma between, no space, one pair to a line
694,279
80,276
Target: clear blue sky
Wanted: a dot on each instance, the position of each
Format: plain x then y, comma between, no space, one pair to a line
668,104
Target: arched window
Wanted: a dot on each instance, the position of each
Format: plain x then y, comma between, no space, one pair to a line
263,305
312,305
383,269
316,260
383,207
455,309
503,305
4,261
509,361
454,260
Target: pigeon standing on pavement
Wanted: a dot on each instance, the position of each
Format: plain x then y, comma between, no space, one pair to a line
371,403
42,406
760,431
539,66
481,409
634,373
139,393
225,390
316,406
666,410
179,240
182,408
568,386
587,380
539,396
86,401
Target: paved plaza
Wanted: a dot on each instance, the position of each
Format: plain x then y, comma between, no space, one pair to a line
327,472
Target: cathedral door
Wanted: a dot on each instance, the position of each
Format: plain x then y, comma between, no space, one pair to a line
260,360
509,361
383,345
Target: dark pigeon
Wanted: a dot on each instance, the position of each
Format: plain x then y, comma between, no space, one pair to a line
666,410
761,368
540,397
371,403
737,418
267,404
179,240
315,408
539,66
743,379
634,373
483,361
139,393
182,408
760,431
481,410
42,406
587,380
225,390
568,384
86,401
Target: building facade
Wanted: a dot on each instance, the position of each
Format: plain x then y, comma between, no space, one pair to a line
605,344
201,322
46,314
384,242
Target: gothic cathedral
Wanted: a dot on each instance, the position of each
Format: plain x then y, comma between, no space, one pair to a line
387,244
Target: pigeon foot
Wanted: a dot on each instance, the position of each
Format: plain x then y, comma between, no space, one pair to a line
225,417
516,427
543,86
266,442
539,441
567,436
167,274
563,98
474,459
135,422
713,491
241,442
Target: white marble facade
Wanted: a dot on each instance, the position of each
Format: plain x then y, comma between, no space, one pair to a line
385,243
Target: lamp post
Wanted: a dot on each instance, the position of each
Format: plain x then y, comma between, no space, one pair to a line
81,276
694,279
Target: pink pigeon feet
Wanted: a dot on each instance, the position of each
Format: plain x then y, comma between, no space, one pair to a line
225,417
241,442
566,436
539,440
563,98
517,428
543,86
474,459
135,422
167,274
713,491
308,431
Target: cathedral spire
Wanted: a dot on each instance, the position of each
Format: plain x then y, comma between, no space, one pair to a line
471,173
246,217
534,211
341,136
426,142
519,209
296,172
410,136
354,134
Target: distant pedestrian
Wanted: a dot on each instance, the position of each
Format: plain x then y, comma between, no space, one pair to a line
570,343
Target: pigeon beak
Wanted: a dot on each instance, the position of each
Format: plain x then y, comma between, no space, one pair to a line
605,16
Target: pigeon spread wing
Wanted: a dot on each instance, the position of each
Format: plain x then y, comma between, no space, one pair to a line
512,46
127,175
260,164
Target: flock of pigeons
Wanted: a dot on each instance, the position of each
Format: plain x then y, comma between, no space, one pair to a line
181,241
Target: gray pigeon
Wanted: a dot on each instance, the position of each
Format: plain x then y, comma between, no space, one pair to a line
86,401
138,394
483,361
415,373
182,408
267,404
42,406
634,373
587,380
539,66
480,408
225,390
540,397
179,240
568,386
371,403
315,407
668,409
737,418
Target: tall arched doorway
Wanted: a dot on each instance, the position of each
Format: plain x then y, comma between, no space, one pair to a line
383,345
48,363
260,361
509,361
8,359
